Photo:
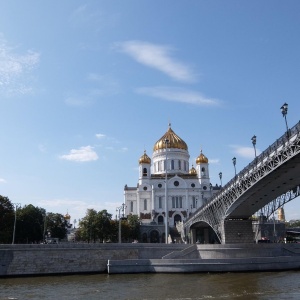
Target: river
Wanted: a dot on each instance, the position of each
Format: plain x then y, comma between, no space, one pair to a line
263,285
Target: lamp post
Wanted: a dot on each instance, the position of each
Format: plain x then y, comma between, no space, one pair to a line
284,110
234,163
253,139
119,209
15,221
220,176
45,225
166,141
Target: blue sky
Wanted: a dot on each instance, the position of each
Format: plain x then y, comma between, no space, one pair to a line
86,86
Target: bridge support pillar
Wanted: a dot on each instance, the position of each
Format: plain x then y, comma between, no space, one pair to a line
237,231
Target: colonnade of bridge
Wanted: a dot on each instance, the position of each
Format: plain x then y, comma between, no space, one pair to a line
267,183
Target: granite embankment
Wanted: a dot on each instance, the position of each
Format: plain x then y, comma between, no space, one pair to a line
26,260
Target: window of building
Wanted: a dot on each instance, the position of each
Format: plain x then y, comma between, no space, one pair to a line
131,206
160,219
145,172
159,202
179,164
145,204
203,171
177,202
172,164
194,200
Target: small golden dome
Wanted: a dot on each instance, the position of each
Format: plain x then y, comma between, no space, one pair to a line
174,141
201,159
145,159
281,216
193,171
67,216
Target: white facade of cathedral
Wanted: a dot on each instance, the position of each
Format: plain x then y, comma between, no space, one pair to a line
187,188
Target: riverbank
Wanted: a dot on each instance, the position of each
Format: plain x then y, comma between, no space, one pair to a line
36,260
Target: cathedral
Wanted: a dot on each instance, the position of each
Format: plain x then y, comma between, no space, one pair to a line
168,176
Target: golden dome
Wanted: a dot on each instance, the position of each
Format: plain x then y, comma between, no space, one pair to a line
201,159
174,141
67,216
193,171
145,159
281,216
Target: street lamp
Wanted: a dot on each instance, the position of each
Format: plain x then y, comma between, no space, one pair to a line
119,209
284,110
220,176
253,139
166,141
234,163
15,221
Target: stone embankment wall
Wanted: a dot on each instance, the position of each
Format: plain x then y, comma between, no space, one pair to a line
25,260
22,260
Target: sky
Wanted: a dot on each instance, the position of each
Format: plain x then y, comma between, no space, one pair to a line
87,86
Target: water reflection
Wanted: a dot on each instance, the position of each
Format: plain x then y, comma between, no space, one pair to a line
267,285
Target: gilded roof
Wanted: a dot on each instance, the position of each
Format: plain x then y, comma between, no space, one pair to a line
193,171
201,159
174,141
145,159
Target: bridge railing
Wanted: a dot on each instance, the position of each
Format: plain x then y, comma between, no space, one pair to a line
285,138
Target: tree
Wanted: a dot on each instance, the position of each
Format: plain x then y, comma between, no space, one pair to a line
6,220
87,227
134,224
103,225
56,225
30,224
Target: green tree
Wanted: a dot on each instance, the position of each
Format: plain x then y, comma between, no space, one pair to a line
103,225
88,227
134,224
6,220
30,224
56,225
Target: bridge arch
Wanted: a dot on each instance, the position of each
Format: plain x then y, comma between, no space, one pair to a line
267,183
202,233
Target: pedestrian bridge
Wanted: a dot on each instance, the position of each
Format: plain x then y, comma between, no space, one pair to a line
266,184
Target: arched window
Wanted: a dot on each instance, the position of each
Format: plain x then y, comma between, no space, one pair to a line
131,206
160,219
145,172
172,164
145,204
177,202
203,171
179,164
159,202
177,218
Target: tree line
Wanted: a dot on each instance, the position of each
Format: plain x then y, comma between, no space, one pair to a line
33,224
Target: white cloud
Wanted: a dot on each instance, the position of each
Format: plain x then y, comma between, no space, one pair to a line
2,180
42,148
78,101
158,57
75,208
83,154
246,152
15,69
178,95
213,161
100,135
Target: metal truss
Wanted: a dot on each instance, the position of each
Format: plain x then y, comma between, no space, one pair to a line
215,210
280,201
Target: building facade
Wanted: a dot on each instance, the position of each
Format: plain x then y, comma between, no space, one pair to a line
167,183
